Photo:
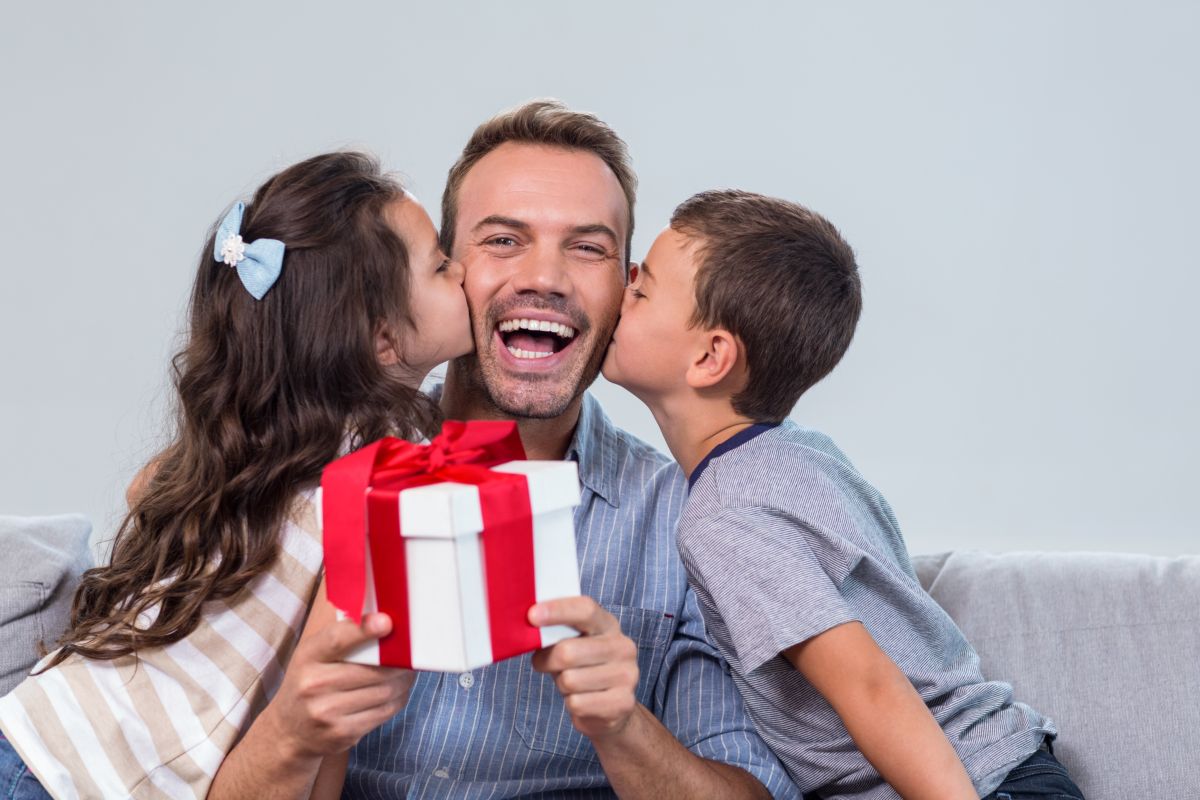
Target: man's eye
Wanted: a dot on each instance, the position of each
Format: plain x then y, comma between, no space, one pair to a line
502,241
592,249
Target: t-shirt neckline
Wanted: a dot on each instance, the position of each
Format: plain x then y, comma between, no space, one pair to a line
733,442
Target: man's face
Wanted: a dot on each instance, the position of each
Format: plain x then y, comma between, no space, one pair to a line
541,233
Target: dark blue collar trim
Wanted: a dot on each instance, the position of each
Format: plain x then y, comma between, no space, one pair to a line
737,440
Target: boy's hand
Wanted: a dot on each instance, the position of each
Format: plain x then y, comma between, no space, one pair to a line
597,673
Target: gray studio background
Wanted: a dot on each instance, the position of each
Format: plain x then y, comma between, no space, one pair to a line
1019,180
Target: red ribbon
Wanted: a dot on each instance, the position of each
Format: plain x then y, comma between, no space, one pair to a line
361,508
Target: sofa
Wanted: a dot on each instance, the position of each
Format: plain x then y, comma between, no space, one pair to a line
44,558
1107,645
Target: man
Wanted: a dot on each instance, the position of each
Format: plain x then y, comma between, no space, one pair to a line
539,210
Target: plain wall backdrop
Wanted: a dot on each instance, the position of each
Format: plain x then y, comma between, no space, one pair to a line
1018,179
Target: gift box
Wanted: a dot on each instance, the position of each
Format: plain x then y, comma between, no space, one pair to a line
455,540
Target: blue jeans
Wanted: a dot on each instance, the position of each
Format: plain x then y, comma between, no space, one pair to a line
1039,777
16,781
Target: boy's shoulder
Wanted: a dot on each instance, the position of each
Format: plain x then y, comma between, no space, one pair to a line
790,472
772,469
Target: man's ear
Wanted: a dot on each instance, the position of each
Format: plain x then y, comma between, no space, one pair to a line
722,356
385,345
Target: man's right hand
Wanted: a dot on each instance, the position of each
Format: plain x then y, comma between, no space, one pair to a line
325,705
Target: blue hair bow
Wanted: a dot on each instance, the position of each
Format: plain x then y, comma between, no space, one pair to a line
258,263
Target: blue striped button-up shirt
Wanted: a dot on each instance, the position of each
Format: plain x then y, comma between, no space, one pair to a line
502,730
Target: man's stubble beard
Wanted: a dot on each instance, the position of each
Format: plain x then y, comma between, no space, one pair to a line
529,399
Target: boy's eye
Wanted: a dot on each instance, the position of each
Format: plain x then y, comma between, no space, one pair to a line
637,293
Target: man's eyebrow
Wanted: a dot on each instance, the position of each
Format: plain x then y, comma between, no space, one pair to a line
498,219
596,227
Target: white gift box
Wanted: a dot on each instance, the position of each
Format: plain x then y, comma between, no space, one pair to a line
441,526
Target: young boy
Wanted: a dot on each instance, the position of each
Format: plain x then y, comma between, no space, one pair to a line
852,673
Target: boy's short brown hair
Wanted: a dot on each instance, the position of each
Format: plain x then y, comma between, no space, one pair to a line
780,278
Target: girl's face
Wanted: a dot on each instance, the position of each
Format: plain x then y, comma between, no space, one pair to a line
441,326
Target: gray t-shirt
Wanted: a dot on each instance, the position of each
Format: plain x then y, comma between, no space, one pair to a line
783,540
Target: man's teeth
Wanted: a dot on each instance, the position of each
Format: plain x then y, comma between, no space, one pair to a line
558,329
519,353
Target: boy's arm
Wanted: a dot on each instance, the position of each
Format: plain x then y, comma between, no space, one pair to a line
885,716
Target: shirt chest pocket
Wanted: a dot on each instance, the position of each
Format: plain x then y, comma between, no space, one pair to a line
542,720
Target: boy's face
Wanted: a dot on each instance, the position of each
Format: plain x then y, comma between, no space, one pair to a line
655,340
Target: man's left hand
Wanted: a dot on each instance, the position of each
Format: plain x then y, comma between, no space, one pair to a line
597,672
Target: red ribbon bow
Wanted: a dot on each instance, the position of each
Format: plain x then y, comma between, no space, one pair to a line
361,508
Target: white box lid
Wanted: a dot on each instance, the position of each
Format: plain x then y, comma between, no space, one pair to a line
449,510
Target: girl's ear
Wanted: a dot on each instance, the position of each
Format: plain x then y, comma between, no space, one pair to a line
385,346
722,357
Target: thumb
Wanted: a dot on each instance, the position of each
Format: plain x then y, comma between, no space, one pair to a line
336,641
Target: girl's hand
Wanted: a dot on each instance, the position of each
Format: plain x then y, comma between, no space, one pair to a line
325,705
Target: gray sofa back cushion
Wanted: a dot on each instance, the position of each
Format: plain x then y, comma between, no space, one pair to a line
41,559
1107,645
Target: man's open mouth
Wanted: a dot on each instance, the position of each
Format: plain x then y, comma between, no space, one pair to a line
534,339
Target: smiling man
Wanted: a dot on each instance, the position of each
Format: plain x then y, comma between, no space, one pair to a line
539,210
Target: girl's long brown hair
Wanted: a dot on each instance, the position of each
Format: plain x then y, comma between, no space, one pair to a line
269,392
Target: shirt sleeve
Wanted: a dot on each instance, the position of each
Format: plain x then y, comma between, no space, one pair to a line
769,587
696,699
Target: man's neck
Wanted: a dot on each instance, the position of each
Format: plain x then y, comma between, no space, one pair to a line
693,426
543,439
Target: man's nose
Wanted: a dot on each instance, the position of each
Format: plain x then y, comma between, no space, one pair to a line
543,271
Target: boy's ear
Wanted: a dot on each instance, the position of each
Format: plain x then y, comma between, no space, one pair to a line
722,356
633,273
385,346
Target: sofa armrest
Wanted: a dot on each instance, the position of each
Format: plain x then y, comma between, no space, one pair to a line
42,559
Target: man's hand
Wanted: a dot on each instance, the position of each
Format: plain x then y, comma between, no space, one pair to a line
597,673
325,705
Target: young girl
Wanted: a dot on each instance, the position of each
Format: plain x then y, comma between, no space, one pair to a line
317,309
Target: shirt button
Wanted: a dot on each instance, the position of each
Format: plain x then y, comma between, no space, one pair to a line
441,772
466,680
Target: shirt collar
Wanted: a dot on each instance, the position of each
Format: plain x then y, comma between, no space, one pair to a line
593,446
733,442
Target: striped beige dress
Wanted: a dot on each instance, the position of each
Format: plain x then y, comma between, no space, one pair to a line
159,726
